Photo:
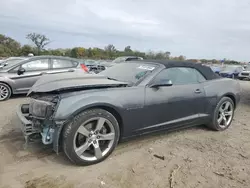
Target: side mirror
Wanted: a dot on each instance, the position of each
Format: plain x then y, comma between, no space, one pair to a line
163,82
20,71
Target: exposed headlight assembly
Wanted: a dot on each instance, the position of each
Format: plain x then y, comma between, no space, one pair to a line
41,109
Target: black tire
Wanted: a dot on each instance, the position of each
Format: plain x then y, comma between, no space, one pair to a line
8,89
214,125
71,128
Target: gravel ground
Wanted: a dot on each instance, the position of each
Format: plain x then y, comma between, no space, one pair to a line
195,157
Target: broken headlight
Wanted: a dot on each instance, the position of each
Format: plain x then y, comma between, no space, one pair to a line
41,109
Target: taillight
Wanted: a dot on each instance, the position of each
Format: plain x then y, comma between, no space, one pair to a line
85,68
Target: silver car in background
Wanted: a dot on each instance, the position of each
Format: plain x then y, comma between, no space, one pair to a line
245,74
17,77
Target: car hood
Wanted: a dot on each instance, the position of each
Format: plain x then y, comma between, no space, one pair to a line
73,81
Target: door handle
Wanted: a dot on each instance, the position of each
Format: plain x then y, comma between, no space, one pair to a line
197,91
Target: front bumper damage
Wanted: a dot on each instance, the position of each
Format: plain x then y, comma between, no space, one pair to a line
34,129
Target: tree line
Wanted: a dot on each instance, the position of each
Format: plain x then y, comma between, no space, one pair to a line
10,47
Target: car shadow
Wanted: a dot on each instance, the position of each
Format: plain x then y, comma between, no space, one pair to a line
17,96
14,142
161,134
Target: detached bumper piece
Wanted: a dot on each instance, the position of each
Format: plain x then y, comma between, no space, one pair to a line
29,129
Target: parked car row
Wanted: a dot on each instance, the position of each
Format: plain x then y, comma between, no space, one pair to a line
18,75
232,71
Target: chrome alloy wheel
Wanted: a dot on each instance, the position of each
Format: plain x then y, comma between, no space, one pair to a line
94,139
4,92
225,114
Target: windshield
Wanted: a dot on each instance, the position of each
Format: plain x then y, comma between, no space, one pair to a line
9,63
129,72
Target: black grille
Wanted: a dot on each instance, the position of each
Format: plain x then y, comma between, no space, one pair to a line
245,74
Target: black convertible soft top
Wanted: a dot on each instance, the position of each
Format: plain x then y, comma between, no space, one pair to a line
204,70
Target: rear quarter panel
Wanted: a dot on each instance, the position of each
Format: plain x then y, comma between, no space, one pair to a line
218,88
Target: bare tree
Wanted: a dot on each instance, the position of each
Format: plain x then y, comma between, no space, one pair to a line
39,40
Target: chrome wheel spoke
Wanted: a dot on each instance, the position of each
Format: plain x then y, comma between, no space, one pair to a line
221,110
100,123
79,151
98,152
220,119
82,130
228,113
109,136
224,121
227,105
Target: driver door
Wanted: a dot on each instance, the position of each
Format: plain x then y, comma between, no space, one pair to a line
176,105
33,71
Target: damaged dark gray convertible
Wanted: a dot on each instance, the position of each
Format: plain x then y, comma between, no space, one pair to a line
87,115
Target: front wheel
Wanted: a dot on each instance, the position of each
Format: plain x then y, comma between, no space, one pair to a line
223,114
91,137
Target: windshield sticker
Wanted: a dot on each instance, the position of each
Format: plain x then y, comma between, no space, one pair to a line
144,67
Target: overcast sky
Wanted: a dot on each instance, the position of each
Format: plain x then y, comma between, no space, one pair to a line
194,28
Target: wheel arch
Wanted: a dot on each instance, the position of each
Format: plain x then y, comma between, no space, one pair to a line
231,96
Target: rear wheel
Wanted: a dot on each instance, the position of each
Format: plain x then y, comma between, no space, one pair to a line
223,114
5,92
91,137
